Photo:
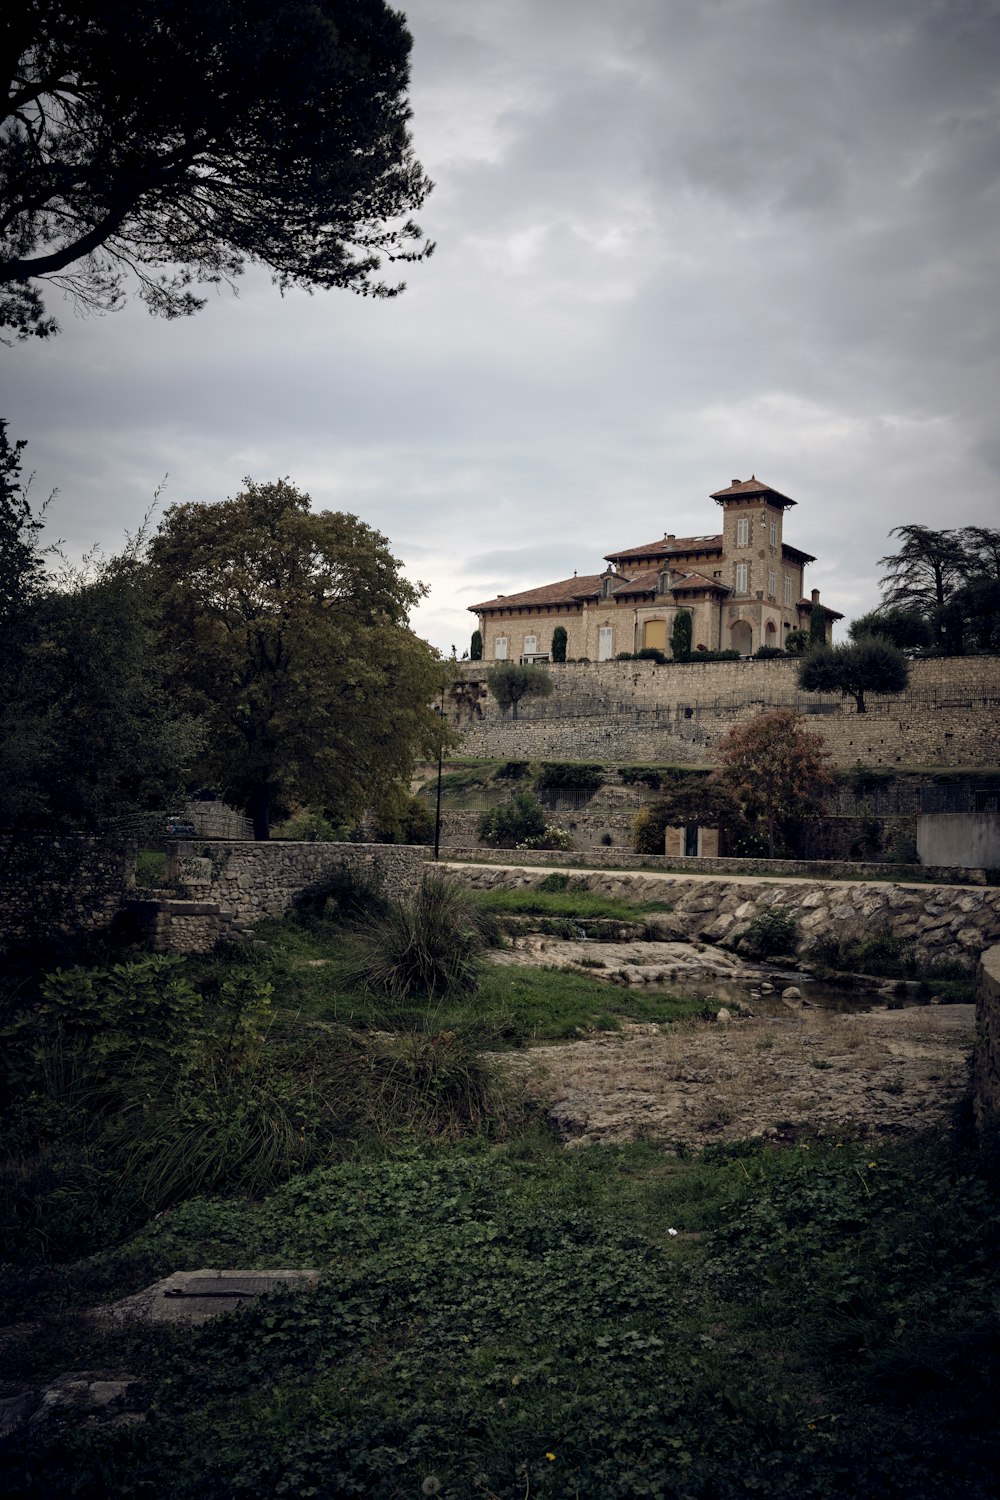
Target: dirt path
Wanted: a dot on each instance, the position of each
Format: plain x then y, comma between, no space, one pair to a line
818,1073
681,874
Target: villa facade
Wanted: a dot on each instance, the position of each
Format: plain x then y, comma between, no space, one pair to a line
743,588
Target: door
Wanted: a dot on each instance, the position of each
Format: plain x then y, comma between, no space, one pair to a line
605,643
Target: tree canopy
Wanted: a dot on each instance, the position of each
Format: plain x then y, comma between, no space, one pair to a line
775,772
902,624
510,683
950,579
173,143
870,664
292,642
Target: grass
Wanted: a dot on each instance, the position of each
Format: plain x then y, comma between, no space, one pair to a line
565,903
311,967
523,1320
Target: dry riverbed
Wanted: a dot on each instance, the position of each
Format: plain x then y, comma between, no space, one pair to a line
815,1073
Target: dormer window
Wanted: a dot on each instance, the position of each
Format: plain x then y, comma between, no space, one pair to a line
606,587
663,583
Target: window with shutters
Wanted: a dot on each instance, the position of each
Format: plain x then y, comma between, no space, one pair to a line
500,648
788,588
743,531
772,584
530,645
742,578
774,533
605,642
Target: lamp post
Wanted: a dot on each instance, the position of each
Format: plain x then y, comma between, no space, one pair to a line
437,815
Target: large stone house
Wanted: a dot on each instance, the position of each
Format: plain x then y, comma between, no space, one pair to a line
743,588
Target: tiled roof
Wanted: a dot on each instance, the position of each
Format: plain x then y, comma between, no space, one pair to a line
647,582
699,581
640,583
751,486
796,554
669,547
807,604
568,591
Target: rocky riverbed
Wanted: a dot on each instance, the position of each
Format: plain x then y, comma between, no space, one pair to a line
785,1078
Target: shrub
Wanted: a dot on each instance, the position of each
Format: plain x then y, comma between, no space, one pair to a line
308,825
700,654
580,778
680,636
513,770
476,646
341,896
429,946
796,642
513,822
646,775
559,638
768,653
774,930
411,822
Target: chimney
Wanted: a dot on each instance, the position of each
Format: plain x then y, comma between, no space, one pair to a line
815,596
671,536
736,481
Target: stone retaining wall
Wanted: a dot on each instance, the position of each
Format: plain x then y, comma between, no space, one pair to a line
952,924
67,885
827,869
249,881
986,1061
948,717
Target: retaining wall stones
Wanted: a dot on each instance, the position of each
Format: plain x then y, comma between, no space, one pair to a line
943,923
249,881
63,886
986,1059
603,711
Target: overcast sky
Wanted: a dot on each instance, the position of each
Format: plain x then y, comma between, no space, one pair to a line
679,241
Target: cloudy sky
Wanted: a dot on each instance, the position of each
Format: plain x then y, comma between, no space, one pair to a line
679,241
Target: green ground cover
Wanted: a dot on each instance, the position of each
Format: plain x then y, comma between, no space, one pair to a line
520,1320
309,966
564,903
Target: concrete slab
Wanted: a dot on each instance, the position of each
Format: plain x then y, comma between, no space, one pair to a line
192,1297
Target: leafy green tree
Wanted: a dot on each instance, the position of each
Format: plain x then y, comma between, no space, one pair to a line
146,134
702,802
680,636
796,642
476,647
869,665
904,625
89,735
924,574
817,626
291,628
775,773
510,684
559,643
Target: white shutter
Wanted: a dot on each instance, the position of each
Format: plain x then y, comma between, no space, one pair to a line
605,643
500,648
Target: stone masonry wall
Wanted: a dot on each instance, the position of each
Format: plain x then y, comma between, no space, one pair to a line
62,885
621,712
986,1059
250,881
943,923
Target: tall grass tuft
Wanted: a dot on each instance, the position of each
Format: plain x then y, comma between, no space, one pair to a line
430,946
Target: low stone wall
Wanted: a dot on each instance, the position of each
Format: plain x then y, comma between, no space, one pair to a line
986,1059
67,885
943,923
777,869
177,926
249,881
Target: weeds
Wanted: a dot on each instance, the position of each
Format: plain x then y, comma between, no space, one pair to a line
428,946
